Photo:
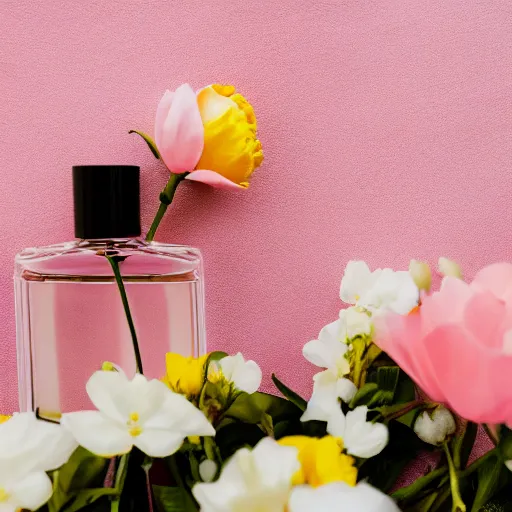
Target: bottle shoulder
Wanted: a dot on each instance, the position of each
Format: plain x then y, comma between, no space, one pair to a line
87,257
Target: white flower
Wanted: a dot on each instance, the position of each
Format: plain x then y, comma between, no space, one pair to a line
252,481
357,281
421,274
135,412
330,385
207,470
392,291
360,437
29,448
245,375
434,429
340,496
354,322
449,268
382,289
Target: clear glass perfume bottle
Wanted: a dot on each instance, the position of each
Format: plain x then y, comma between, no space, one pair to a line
69,313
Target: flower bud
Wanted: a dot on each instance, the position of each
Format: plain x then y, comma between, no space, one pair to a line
436,427
421,275
207,470
508,463
449,268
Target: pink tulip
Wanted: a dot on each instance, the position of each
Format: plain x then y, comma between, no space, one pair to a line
182,121
457,347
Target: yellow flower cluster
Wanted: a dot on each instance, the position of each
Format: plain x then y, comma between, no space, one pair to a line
322,461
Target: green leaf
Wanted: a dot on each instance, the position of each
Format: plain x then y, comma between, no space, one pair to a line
488,482
236,435
289,394
505,443
149,141
364,395
462,445
405,389
408,493
84,498
250,408
82,471
173,499
387,380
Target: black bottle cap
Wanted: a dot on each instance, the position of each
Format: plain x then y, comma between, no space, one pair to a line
107,201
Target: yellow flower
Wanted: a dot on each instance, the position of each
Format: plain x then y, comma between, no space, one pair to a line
4,418
231,148
322,461
185,375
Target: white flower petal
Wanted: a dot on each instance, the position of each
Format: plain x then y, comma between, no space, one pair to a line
336,424
331,333
158,443
28,444
245,375
356,280
104,389
363,438
340,496
508,463
248,378
177,414
97,433
324,400
252,480
392,291
346,390
31,492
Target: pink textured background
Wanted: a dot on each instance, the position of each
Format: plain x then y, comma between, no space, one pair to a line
386,126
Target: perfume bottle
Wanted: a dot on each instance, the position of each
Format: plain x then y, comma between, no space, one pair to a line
69,313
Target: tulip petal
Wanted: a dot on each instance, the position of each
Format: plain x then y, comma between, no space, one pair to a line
97,433
162,112
485,317
181,137
497,279
458,359
214,179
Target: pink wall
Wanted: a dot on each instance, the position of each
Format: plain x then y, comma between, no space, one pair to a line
386,125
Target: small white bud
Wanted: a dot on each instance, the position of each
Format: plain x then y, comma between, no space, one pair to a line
449,268
434,428
421,275
508,463
207,470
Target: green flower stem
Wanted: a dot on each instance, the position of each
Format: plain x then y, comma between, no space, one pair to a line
458,504
166,198
119,280
412,490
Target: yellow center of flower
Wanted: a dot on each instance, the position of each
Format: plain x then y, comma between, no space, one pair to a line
134,429
4,496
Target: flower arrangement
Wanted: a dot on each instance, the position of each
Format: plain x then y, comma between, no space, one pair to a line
204,438
403,371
